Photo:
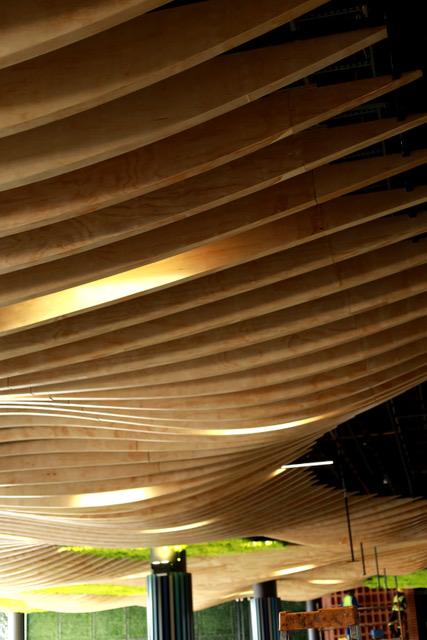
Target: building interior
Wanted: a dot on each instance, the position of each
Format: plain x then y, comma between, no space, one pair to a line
213,293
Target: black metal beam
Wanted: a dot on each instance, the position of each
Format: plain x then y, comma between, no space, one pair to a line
403,452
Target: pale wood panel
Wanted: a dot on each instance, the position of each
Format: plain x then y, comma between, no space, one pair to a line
169,107
200,148
238,319
281,161
295,393
220,375
287,273
244,382
132,353
329,563
369,392
67,273
253,316
33,27
136,54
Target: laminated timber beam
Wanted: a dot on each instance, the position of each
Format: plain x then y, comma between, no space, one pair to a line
181,156
342,248
248,321
134,55
279,162
169,107
267,334
51,278
263,286
297,394
331,406
192,291
232,373
63,22
244,381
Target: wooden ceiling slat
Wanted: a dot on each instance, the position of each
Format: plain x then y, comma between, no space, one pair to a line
230,402
241,383
248,323
229,374
51,278
176,104
134,55
192,292
281,161
241,132
268,338
33,27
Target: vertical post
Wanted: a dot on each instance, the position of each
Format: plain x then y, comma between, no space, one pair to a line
312,605
362,555
169,596
347,508
264,609
16,626
376,566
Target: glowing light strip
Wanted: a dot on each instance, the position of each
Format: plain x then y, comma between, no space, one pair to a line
286,572
306,464
121,496
164,429
326,581
194,525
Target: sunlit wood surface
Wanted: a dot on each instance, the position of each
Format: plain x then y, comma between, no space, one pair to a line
192,291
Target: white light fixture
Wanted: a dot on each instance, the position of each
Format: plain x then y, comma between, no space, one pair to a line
307,464
302,567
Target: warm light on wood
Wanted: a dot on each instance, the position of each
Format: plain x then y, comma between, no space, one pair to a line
203,271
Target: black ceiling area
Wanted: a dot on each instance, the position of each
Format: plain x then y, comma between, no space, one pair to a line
382,451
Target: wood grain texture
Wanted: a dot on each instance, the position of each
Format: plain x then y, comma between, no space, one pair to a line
211,190
202,271
136,54
168,107
184,155
30,29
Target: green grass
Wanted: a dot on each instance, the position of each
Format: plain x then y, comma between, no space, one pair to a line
133,554
96,589
410,581
233,546
219,548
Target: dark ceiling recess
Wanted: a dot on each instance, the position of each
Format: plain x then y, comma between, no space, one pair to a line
381,451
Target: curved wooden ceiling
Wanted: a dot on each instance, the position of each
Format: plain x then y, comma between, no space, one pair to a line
194,289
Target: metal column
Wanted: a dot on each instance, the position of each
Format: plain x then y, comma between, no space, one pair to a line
169,597
16,626
265,607
311,605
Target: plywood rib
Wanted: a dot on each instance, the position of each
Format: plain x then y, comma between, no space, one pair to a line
279,162
242,131
202,271
168,107
33,28
136,54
